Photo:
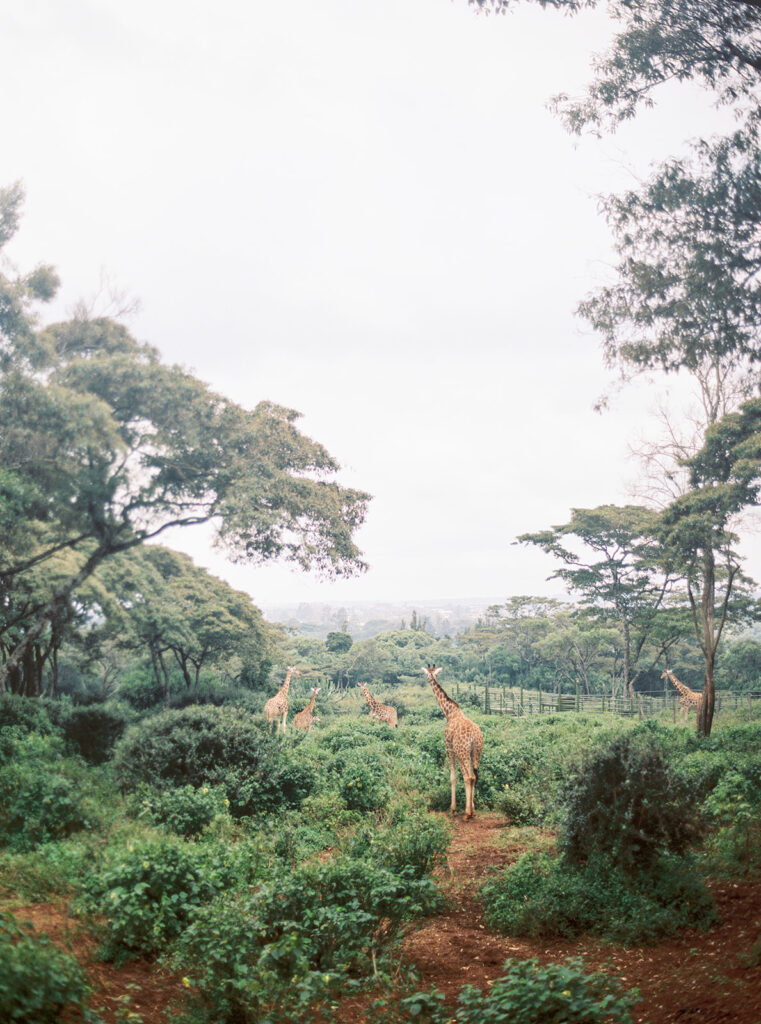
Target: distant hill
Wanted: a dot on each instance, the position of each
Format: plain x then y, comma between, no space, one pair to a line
363,619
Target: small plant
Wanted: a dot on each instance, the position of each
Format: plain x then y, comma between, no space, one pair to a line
531,993
92,731
37,981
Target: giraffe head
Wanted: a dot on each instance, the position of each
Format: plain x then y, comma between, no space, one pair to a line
432,672
316,690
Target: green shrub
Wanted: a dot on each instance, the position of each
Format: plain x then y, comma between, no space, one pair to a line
93,730
147,896
185,810
734,810
519,805
410,841
25,713
37,981
362,782
625,803
147,892
539,895
41,799
211,746
531,993
316,924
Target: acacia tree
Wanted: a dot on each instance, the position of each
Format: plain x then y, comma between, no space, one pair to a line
105,447
697,536
613,563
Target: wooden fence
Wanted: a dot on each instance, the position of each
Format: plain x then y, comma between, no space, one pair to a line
515,701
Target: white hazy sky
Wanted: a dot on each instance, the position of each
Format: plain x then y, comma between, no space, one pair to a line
363,211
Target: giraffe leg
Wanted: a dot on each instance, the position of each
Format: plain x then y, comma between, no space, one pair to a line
453,781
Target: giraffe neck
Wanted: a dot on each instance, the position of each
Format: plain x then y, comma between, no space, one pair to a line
447,705
286,685
310,705
370,699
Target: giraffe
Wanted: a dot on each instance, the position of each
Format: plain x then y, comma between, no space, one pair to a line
383,712
305,719
278,705
687,698
464,742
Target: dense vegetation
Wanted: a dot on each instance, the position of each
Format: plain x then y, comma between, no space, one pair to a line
244,860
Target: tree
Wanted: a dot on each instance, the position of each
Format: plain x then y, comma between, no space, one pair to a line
170,607
697,536
686,295
337,642
621,576
105,447
715,43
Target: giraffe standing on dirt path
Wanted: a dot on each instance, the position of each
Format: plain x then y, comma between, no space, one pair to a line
464,742
278,705
305,719
687,698
383,712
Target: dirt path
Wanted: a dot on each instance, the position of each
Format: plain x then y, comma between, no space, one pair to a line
701,978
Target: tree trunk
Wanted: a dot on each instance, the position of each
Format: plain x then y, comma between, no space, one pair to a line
710,642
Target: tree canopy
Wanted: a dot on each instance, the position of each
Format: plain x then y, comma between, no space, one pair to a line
104,446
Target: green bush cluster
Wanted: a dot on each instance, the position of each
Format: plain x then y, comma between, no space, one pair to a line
623,869
41,793
319,923
625,803
38,982
532,993
93,730
542,895
210,746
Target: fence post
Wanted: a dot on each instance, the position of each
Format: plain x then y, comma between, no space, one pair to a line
639,706
521,697
540,698
560,694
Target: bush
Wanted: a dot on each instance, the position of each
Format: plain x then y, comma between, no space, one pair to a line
315,924
624,803
26,713
531,993
37,981
410,841
185,810
539,895
211,746
147,897
362,782
40,795
93,730
734,810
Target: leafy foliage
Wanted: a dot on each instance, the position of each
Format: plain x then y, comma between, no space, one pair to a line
38,982
624,803
540,895
210,746
532,993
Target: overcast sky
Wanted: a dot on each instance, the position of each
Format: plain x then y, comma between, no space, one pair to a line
363,211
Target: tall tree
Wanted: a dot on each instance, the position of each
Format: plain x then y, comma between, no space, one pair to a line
105,447
697,533
613,563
